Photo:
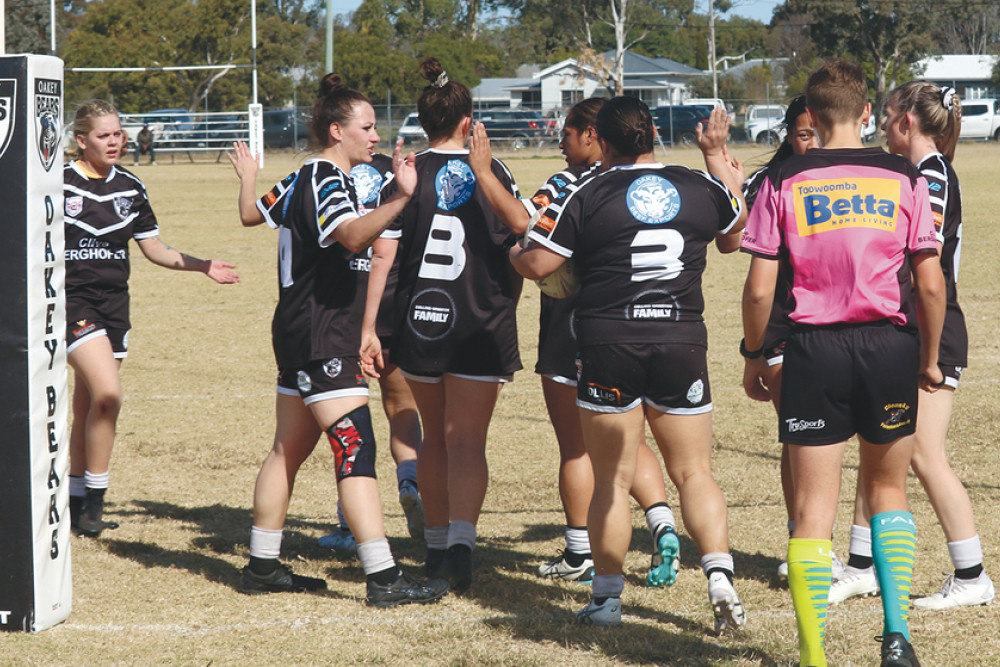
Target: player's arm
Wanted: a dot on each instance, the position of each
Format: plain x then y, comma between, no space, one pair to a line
383,255
358,233
507,207
931,304
712,142
536,261
758,296
245,165
163,255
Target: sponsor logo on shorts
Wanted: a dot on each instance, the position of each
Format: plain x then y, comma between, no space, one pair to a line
74,205
796,425
653,200
367,182
123,205
696,392
8,97
842,203
958,372
454,184
125,341
432,314
603,395
48,119
304,382
897,416
333,367
83,327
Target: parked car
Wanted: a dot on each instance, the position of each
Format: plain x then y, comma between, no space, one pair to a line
676,123
521,127
764,123
285,128
981,119
710,102
410,131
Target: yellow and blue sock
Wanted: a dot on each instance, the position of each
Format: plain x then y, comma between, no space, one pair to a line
809,578
894,543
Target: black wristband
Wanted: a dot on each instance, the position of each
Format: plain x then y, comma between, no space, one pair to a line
747,354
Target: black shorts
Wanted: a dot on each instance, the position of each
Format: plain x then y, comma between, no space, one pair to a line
670,377
324,380
88,318
842,380
952,374
557,339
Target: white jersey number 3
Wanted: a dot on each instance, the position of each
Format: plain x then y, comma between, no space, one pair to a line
444,256
656,254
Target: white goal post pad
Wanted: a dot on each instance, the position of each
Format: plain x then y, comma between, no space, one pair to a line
257,133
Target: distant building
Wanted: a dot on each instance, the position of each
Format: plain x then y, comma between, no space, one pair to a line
970,75
656,81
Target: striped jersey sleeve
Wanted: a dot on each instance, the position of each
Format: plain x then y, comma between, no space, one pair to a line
934,169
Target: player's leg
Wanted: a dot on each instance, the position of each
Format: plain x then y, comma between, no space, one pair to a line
432,469
404,444
612,440
773,379
468,409
295,436
576,484
969,585
96,405
650,492
685,440
858,578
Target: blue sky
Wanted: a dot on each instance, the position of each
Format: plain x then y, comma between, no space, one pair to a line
755,9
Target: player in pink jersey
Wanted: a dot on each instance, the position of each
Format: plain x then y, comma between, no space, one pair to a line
853,224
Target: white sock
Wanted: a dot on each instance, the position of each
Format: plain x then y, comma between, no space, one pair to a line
406,470
436,537
966,553
375,555
96,481
608,586
577,540
462,532
718,560
656,516
861,541
265,543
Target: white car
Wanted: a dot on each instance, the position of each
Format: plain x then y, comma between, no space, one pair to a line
765,123
981,119
410,131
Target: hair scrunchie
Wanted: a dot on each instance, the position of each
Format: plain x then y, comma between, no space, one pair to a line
441,80
947,97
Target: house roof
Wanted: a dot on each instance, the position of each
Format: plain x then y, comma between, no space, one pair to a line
638,65
498,87
956,67
740,69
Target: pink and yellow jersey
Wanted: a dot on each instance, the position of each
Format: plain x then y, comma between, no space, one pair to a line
846,221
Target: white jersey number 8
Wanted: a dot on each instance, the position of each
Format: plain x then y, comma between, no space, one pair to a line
444,256
656,254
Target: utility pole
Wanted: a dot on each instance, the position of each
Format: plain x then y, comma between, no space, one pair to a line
329,36
711,48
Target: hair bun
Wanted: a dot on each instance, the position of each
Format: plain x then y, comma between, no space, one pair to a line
431,69
331,83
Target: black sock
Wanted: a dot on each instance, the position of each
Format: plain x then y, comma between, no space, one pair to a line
574,559
729,575
860,562
263,566
386,576
969,572
600,601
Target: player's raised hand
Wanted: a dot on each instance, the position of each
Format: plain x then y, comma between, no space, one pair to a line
712,139
405,169
480,155
243,161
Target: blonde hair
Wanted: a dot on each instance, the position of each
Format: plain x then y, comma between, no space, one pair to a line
83,122
937,110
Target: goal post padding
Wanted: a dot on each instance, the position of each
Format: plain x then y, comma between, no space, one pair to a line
35,582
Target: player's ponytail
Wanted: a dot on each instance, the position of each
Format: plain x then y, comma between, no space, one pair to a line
938,112
626,124
443,104
336,104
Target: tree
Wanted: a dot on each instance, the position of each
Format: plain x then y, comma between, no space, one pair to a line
971,28
887,34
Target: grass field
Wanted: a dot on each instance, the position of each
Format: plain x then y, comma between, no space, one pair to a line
198,420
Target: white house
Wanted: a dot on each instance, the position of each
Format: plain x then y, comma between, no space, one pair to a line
971,76
656,81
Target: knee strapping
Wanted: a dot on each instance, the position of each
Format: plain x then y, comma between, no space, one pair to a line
353,443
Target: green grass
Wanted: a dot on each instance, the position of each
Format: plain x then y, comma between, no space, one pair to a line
198,420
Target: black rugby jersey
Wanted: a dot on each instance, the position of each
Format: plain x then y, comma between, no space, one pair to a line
638,235
455,301
946,205
321,284
370,181
101,215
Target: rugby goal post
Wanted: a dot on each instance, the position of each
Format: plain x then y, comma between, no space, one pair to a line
35,580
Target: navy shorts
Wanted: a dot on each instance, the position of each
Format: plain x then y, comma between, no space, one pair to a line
842,380
670,377
324,380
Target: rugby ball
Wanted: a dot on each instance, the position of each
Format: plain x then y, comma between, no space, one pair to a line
561,283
